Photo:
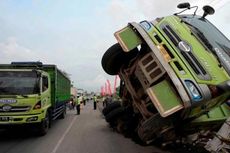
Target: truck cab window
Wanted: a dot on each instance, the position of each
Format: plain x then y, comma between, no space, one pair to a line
44,83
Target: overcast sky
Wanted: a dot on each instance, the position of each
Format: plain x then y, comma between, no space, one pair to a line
74,34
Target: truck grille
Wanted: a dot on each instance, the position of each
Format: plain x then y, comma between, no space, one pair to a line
15,109
149,70
189,56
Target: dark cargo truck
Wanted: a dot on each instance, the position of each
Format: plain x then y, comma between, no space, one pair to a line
175,78
32,93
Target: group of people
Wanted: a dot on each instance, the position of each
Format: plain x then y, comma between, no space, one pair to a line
77,101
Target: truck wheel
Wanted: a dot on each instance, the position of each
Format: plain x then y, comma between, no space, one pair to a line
120,126
44,125
111,107
114,114
115,57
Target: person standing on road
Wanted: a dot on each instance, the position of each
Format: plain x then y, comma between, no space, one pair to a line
78,104
84,100
95,102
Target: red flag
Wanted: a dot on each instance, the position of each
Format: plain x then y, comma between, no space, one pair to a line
102,91
109,87
115,84
106,91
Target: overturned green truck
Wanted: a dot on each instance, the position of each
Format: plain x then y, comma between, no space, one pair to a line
175,79
32,94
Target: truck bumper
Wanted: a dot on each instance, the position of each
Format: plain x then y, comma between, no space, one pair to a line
21,119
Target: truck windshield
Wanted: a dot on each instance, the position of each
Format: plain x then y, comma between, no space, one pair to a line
211,37
18,83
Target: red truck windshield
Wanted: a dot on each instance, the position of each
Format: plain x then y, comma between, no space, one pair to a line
18,83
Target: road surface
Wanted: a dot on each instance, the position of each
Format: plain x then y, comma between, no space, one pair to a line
84,133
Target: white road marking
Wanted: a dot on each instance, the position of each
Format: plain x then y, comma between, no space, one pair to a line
63,136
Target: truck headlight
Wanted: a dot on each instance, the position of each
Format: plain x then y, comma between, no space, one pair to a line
194,92
38,105
31,119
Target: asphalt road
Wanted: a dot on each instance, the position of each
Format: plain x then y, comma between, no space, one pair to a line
84,133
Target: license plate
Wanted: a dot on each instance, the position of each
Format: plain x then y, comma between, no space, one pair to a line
4,119
8,101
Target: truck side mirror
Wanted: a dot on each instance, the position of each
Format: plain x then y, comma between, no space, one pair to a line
183,6
208,10
186,6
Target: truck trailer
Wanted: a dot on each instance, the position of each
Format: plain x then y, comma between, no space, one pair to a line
175,79
32,94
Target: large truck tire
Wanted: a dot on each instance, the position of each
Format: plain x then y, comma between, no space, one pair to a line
44,126
115,57
114,114
127,123
111,107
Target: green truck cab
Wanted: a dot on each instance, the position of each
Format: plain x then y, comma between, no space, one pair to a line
175,76
32,94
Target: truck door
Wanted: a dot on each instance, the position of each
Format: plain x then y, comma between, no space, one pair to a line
45,95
